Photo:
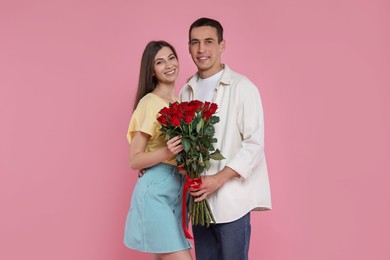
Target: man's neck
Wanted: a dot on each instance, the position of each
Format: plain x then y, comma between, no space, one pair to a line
208,73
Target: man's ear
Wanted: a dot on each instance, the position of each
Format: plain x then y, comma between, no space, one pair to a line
222,45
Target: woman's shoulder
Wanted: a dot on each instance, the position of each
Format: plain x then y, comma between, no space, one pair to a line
150,97
149,100
151,103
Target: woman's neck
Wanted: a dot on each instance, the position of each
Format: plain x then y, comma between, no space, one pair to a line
166,92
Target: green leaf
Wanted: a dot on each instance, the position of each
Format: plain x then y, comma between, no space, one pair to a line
189,161
203,149
209,130
194,123
185,128
194,167
214,120
179,158
217,155
207,165
213,140
186,144
199,125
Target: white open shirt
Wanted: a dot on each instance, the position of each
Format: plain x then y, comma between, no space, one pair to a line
240,135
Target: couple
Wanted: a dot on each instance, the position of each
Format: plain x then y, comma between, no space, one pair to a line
234,186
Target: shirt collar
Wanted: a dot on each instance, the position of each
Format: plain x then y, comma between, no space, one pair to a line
225,80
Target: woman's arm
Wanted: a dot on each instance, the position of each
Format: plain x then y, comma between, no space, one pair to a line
139,159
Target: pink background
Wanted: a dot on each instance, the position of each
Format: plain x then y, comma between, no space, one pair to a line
68,73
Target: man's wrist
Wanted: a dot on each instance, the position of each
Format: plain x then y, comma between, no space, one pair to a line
227,173
233,172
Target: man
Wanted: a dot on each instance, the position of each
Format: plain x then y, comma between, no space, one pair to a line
239,184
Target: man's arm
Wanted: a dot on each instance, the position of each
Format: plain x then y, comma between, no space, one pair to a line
251,127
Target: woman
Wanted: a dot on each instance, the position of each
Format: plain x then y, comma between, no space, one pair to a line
153,222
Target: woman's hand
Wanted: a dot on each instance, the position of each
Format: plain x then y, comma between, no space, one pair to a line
174,145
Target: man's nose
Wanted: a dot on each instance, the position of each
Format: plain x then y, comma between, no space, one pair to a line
201,47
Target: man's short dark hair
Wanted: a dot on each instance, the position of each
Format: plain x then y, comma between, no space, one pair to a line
207,22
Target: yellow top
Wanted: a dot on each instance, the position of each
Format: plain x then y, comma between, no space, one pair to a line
144,119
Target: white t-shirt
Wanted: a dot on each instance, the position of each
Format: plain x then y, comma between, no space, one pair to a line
205,88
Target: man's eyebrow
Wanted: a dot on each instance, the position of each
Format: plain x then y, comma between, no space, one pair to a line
206,39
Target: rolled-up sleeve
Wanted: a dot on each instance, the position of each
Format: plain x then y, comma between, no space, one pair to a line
250,121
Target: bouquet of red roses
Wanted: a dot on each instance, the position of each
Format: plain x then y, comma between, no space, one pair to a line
194,121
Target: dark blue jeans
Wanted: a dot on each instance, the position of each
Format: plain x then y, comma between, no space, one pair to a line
227,241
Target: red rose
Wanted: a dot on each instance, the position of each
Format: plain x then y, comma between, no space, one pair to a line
164,111
174,106
190,108
197,104
188,118
207,115
178,114
213,108
175,121
162,119
183,105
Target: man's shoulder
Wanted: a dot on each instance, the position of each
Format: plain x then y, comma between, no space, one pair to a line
241,82
191,81
186,90
237,77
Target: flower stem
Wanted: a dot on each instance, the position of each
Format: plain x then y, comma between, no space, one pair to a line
207,214
196,213
202,213
209,210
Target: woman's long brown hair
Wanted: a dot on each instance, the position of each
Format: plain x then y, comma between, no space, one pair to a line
147,82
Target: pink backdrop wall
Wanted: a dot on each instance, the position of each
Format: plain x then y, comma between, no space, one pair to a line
68,72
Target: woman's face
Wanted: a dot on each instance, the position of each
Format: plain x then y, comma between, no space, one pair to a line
166,66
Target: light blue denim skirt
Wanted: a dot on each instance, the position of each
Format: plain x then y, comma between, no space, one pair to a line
153,223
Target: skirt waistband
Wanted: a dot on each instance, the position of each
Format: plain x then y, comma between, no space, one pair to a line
162,166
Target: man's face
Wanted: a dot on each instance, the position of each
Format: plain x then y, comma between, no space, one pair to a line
205,50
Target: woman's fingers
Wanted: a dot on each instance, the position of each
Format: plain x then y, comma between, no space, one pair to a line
174,140
174,145
176,150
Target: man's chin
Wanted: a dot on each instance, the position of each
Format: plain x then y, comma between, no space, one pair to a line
202,67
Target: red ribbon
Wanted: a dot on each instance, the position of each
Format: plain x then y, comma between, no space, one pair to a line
195,183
